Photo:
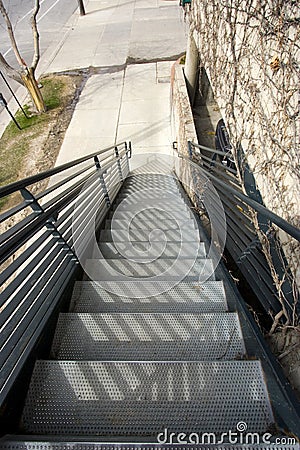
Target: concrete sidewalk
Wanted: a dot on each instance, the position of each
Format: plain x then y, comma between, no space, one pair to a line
119,31
132,46
128,98
130,104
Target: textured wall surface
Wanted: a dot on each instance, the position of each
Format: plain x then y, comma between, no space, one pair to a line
182,116
250,51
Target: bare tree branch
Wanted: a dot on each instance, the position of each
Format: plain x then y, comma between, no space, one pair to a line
25,75
11,35
36,36
10,71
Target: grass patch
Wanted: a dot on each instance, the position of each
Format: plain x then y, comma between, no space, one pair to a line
34,148
17,144
52,92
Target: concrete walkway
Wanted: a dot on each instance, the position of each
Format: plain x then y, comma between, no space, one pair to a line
119,31
128,98
126,105
132,46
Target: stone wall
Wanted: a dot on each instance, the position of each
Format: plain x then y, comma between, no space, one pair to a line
250,51
183,126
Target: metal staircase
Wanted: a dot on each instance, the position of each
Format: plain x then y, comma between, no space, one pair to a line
130,365
151,352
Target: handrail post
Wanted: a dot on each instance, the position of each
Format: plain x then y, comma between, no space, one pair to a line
102,181
49,224
128,155
119,164
190,149
31,201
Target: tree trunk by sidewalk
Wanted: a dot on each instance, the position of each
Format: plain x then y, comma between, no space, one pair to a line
24,75
31,84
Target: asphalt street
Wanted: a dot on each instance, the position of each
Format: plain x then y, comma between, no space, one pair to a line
52,17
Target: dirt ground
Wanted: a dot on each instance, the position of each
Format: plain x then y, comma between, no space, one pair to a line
40,142
285,344
46,146
43,150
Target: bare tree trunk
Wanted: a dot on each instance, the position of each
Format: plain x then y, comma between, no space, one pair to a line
31,84
25,75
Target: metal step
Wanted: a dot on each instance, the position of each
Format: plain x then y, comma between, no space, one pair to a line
150,213
149,178
154,188
152,194
140,198
154,178
148,337
144,184
137,187
173,442
163,204
141,250
143,398
162,269
164,224
168,201
148,296
184,235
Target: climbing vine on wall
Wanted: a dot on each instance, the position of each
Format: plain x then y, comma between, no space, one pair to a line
251,52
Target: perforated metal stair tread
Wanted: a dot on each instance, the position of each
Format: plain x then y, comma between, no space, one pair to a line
152,192
169,206
151,174
160,269
157,181
149,179
166,224
150,213
143,185
134,188
143,296
168,202
52,443
129,398
123,235
148,337
142,250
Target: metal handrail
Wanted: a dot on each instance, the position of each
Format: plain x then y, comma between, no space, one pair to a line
20,184
37,252
274,218
242,241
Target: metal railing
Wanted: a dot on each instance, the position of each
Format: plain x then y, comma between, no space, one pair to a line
37,244
242,240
